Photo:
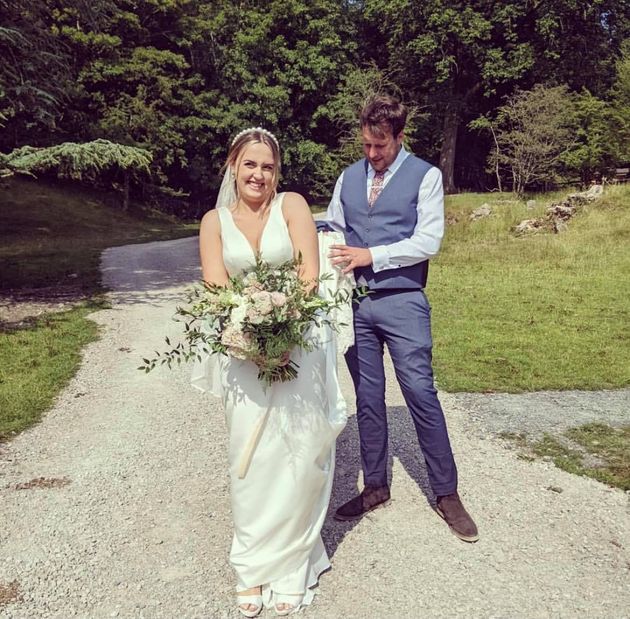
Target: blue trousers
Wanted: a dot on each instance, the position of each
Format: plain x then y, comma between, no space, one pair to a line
402,320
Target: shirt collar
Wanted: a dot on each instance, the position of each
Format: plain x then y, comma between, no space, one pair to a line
402,155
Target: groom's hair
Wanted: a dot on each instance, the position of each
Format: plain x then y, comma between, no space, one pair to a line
382,114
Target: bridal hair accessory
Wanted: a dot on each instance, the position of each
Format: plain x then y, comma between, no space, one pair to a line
250,129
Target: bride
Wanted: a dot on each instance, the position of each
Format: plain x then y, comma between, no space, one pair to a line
280,497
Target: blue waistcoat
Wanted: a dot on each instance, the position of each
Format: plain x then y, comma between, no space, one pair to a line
393,217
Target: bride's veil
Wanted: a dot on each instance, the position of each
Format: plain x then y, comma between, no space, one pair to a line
206,372
227,191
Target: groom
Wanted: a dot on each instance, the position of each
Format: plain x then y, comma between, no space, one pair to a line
390,207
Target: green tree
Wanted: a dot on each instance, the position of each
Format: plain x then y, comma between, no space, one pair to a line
591,152
448,53
92,161
460,57
182,77
534,130
34,74
275,64
576,43
620,109
132,85
341,111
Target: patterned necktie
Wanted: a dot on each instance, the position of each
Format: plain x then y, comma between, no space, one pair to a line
377,187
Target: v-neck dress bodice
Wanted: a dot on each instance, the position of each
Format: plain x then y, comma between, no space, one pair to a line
275,241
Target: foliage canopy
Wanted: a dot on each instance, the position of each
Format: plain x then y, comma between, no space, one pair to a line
179,78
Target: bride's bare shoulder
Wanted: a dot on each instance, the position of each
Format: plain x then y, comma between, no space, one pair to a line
210,220
294,204
210,226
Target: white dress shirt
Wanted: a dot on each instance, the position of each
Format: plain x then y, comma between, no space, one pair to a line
424,243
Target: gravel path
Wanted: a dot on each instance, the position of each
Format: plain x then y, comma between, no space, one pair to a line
543,412
138,522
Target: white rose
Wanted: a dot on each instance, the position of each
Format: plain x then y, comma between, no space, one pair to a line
238,313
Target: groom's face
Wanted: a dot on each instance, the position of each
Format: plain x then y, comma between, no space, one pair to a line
381,150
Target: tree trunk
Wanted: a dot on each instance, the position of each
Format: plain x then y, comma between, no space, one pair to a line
497,171
126,191
447,154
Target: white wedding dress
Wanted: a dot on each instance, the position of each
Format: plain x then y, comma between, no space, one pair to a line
280,504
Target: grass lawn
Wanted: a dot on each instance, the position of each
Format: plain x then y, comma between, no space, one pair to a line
37,362
54,235
538,312
593,450
48,234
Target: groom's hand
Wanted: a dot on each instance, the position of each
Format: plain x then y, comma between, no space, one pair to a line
350,257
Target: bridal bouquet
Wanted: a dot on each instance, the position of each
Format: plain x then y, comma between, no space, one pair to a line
260,316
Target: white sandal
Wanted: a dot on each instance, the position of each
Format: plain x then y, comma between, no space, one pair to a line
288,599
253,600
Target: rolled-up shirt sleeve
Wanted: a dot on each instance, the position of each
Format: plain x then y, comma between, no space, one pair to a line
427,235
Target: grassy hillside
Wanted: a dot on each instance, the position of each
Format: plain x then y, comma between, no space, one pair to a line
54,235
537,312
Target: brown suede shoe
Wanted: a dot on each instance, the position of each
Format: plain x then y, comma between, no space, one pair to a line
369,499
457,518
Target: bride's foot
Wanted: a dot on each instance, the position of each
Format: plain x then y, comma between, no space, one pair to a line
250,601
287,603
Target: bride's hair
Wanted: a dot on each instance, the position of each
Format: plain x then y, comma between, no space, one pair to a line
237,148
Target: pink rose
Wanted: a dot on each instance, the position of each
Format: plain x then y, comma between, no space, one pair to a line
237,342
254,316
278,299
253,289
262,302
